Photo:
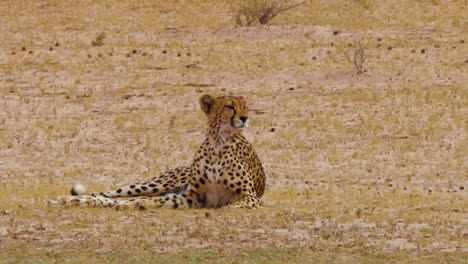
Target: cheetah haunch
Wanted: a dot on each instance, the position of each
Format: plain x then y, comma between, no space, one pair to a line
225,170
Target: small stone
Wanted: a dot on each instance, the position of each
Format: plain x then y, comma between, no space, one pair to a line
51,49
462,188
207,214
336,32
272,129
423,51
23,48
389,48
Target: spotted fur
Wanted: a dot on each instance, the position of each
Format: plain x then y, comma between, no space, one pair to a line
224,171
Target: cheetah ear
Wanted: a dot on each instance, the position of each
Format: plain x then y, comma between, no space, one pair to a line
206,103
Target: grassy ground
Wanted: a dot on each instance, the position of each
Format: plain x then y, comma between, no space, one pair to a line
247,256
364,168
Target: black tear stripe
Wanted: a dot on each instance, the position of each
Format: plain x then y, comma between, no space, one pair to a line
232,118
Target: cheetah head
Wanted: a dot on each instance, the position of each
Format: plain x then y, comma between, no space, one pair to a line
229,112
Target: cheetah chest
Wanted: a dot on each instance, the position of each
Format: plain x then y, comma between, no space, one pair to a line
217,194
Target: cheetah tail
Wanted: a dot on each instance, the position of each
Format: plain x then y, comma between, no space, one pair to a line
83,201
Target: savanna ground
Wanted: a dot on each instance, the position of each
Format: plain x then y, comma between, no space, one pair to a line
368,168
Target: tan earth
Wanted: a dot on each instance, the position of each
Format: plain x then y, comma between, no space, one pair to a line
362,168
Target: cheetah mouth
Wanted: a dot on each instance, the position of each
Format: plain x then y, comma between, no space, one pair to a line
241,125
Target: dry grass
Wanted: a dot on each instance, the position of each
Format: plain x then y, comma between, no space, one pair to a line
366,168
251,12
357,56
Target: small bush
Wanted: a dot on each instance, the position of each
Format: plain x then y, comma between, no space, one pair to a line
248,12
99,40
357,57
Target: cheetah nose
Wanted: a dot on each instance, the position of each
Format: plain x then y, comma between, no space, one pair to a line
243,118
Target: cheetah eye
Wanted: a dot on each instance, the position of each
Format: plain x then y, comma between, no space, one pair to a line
230,107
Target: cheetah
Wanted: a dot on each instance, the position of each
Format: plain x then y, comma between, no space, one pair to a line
225,171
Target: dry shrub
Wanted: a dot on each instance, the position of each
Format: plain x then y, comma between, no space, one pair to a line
357,57
99,40
248,12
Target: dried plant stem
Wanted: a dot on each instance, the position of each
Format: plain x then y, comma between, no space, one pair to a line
357,58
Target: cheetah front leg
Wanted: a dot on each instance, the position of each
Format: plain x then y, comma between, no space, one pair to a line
246,201
241,182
